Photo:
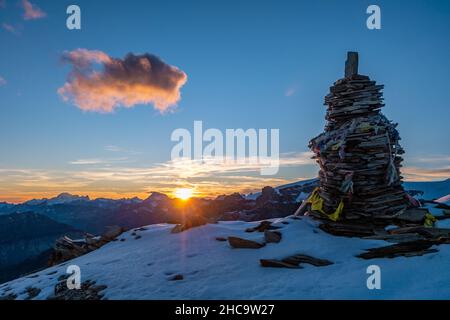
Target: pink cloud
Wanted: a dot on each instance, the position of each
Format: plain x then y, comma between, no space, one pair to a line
10,28
83,58
98,82
32,11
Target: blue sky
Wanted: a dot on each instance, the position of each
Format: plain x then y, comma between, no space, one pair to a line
250,64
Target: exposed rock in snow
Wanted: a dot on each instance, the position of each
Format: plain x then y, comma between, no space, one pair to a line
407,249
272,236
66,248
88,291
295,261
240,243
192,222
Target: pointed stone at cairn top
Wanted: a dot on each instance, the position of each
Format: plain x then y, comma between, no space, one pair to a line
351,64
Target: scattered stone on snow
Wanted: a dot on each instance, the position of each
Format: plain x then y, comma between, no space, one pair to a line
303,258
193,221
295,261
88,291
272,263
348,229
406,249
442,206
263,226
397,238
9,296
272,236
66,248
415,215
176,277
240,243
32,292
111,233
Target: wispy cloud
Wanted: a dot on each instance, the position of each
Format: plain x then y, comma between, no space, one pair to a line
2,3
432,158
427,167
10,28
101,83
32,11
114,148
422,174
86,161
96,161
2,81
292,90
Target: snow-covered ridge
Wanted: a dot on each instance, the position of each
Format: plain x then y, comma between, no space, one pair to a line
60,199
143,263
301,183
431,189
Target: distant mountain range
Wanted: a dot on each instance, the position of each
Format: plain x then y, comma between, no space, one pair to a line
29,230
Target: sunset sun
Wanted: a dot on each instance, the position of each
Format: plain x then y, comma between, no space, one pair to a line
183,193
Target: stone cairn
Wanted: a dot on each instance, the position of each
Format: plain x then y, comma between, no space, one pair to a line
359,151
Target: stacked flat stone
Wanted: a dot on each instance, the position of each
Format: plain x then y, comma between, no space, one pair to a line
359,151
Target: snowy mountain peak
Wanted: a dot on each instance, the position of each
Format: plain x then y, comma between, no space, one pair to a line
157,197
66,198
62,198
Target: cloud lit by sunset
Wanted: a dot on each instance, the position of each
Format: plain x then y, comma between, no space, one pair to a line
135,79
31,11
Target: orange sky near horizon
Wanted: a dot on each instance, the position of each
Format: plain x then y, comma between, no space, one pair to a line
207,179
205,191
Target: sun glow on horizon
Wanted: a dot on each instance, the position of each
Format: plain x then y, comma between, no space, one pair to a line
183,193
